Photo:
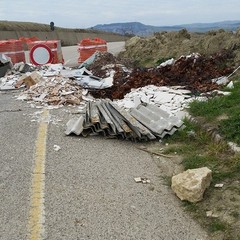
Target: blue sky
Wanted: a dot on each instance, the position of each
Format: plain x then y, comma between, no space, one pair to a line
88,13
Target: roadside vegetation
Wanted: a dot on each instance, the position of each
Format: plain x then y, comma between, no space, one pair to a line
199,148
223,112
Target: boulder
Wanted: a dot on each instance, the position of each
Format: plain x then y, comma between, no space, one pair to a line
191,184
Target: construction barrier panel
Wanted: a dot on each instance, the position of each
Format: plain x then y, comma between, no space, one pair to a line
87,47
31,39
54,45
13,49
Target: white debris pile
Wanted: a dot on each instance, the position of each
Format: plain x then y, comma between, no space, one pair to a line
18,72
53,91
8,82
166,63
173,100
51,84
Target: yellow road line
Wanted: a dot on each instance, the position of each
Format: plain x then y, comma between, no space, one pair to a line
36,214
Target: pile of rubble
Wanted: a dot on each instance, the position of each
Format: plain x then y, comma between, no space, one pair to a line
148,103
173,100
194,72
54,91
51,84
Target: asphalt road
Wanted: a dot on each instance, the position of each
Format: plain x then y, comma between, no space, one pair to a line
84,191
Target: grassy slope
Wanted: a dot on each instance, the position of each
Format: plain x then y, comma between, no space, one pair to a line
198,149
31,26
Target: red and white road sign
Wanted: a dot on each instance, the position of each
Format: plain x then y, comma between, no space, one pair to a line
40,54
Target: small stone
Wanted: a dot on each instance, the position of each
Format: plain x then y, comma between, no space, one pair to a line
138,180
219,185
142,180
209,213
56,148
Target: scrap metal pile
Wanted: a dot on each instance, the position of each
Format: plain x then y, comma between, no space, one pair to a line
195,72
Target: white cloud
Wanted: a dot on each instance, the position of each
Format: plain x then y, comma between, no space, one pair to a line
85,13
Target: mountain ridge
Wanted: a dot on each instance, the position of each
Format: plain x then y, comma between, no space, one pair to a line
138,28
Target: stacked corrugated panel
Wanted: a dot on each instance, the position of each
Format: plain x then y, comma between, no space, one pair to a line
54,45
13,49
88,47
146,122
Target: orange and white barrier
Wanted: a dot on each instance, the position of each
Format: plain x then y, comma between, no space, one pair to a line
13,49
88,47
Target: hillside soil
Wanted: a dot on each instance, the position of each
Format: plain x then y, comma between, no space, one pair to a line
150,51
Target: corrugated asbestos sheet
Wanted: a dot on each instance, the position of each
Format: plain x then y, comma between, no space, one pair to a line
146,122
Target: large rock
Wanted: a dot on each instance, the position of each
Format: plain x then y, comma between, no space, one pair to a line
191,184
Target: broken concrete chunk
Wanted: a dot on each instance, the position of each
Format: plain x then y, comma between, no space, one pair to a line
29,80
19,83
143,180
230,85
210,214
191,184
72,100
56,148
24,68
221,80
219,185
36,76
138,180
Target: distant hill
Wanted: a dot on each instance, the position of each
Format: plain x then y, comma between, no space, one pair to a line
137,28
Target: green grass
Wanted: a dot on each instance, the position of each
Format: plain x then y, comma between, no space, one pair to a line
180,149
196,161
38,27
191,207
216,225
213,225
215,107
198,149
230,127
210,109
